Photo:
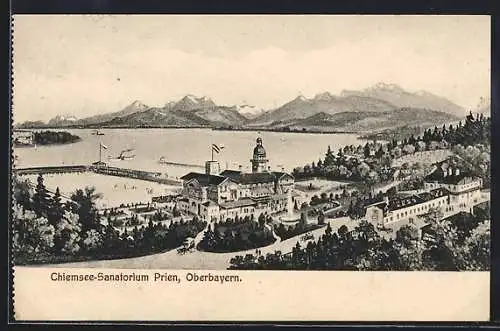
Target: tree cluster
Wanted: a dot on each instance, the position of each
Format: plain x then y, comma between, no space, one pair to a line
289,231
237,234
447,247
371,163
45,230
54,137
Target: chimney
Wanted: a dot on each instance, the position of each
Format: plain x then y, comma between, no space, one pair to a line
445,173
450,171
457,172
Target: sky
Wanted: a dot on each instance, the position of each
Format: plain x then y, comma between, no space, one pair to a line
83,65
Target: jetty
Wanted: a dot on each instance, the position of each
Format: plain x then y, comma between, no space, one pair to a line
186,165
135,174
51,170
100,169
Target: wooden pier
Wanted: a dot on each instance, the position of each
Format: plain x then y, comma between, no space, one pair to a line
51,170
100,169
187,165
135,174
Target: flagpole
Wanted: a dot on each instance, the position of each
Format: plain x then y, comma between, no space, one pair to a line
100,151
212,148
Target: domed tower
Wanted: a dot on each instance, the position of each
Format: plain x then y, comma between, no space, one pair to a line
259,160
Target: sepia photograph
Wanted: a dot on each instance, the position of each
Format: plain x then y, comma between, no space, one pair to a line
216,143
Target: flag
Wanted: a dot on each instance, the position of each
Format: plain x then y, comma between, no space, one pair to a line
104,146
216,148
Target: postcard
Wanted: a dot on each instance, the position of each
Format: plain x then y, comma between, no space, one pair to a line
251,168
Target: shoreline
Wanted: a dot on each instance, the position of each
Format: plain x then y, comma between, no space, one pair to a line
360,133
40,145
289,131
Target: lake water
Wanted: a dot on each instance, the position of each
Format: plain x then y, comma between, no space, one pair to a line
114,190
190,146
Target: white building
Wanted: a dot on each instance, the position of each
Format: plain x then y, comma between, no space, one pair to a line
215,196
23,137
465,190
408,208
446,188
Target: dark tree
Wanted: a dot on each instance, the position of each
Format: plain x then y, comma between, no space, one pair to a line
21,192
85,208
56,209
321,218
366,150
40,198
342,231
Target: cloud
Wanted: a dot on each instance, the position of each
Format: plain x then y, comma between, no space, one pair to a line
77,66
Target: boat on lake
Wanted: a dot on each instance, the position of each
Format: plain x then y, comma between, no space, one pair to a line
97,133
125,155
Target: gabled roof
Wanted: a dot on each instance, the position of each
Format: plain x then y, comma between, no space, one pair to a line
433,194
209,203
438,176
406,202
245,202
204,179
254,178
420,222
280,174
397,203
258,177
233,174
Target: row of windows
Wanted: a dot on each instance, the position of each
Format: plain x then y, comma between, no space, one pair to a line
453,187
225,188
471,185
247,210
416,209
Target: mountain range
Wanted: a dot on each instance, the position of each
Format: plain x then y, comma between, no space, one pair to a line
377,107
484,106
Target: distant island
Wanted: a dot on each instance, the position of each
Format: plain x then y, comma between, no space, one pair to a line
398,133
376,109
29,138
284,129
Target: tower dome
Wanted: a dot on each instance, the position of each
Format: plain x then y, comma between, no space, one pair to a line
259,160
259,150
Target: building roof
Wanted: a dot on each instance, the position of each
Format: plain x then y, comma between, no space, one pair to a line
233,174
263,190
204,179
438,175
420,222
400,203
280,174
433,194
397,203
279,196
209,203
238,203
253,178
256,178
